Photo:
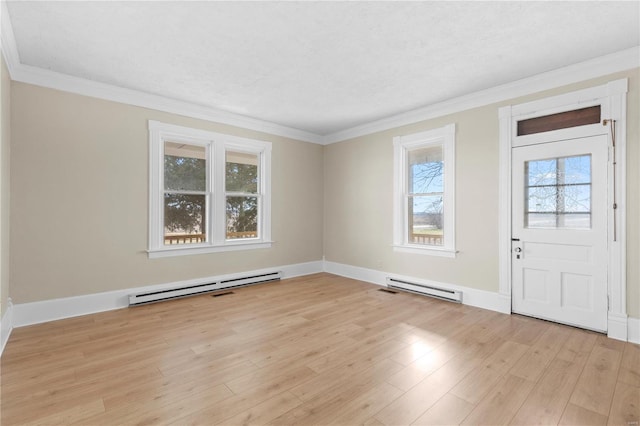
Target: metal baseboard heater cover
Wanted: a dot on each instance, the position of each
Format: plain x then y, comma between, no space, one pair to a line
427,290
192,290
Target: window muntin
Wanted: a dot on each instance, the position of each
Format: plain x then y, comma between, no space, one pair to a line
208,192
424,192
558,193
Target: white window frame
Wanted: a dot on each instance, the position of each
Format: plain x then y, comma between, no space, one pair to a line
216,145
445,137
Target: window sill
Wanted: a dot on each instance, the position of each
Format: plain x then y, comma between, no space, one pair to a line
429,251
186,250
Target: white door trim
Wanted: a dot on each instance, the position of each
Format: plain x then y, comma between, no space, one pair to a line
612,97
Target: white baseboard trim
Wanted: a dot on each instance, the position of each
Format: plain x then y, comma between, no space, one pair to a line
50,310
301,269
617,326
355,272
633,330
470,296
68,307
23,314
6,326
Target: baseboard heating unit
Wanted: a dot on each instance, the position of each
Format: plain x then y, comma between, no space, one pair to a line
427,290
192,290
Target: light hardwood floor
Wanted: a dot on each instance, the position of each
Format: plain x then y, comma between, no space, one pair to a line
319,349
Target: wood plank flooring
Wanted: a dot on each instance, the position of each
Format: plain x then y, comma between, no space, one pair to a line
319,349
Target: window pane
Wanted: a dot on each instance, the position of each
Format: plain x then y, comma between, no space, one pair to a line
558,193
185,167
561,120
242,217
559,220
426,220
184,218
575,221
575,198
542,172
542,199
426,170
577,169
541,220
241,172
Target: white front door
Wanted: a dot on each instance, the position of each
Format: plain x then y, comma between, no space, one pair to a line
559,224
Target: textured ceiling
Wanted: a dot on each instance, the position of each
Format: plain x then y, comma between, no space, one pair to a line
316,66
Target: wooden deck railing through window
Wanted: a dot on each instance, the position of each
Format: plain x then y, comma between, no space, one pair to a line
200,238
430,239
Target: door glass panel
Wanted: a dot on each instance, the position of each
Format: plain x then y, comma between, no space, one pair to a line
558,193
541,172
577,169
542,199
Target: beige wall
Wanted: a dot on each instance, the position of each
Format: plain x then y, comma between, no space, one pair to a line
5,144
79,199
359,193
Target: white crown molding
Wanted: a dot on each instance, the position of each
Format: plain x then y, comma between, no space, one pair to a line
54,80
608,64
604,65
7,40
80,86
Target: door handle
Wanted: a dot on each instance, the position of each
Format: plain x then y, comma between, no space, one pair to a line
518,250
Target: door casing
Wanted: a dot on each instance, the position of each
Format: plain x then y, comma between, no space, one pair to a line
612,99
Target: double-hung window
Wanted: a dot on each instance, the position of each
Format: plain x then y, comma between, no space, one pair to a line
208,191
424,173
